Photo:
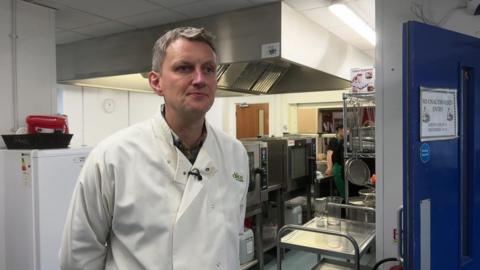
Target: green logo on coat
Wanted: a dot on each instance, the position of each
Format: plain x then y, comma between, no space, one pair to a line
237,177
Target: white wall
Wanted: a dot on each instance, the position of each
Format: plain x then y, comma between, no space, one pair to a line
36,60
6,110
6,121
98,122
2,213
280,108
36,73
390,16
90,123
215,116
142,106
72,106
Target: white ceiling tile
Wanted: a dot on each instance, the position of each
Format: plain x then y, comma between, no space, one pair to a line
49,3
210,7
365,9
62,37
151,18
111,9
346,33
323,17
261,2
67,18
302,5
102,29
362,44
370,52
173,3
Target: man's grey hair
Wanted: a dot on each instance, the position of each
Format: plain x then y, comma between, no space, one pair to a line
190,33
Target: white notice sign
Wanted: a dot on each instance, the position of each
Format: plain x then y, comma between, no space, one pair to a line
438,114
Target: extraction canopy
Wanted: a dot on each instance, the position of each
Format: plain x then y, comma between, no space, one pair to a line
268,49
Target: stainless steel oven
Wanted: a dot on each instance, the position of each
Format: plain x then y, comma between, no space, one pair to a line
258,166
287,162
297,163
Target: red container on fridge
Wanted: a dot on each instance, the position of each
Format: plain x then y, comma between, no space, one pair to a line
47,124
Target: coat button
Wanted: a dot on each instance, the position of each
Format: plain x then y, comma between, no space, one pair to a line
219,264
212,206
184,173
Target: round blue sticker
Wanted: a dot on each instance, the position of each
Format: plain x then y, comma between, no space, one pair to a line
425,152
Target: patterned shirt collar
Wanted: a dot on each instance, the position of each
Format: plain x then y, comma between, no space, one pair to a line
192,153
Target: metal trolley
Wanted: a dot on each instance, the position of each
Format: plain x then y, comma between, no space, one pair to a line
353,238
359,142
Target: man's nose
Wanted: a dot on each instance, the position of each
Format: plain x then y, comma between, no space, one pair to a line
199,77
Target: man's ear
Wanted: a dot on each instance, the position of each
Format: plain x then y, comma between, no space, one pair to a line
155,82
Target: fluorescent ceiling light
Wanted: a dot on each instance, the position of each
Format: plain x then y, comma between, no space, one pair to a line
351,19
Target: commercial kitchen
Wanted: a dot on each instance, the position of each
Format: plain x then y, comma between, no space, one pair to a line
289,73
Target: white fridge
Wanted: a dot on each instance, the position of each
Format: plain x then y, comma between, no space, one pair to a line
38,186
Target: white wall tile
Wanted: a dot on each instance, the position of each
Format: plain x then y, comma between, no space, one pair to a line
143,106
73,108
98,124
216,115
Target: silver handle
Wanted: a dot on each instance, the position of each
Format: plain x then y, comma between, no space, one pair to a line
400,232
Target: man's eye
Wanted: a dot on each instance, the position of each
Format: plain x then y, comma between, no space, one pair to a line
183,68
209,70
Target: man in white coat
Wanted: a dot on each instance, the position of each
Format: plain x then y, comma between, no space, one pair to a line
168,193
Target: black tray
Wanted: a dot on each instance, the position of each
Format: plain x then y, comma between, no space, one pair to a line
37,141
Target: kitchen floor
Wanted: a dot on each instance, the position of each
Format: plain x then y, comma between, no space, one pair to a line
299,260
294,259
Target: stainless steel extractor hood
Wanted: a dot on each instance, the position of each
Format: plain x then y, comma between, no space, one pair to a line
263,50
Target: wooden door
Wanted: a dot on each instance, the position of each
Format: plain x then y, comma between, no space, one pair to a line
307,120
250,118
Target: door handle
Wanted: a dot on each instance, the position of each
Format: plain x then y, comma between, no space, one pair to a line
400,233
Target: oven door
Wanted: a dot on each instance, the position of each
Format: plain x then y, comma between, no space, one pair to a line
253,195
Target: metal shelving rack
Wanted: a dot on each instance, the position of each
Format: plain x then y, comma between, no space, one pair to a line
355,141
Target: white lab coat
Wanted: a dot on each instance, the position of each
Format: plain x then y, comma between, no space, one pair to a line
135,194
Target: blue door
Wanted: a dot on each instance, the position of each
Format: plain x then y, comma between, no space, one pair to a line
441,147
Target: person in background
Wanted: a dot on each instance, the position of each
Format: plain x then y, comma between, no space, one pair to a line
335,161
168,193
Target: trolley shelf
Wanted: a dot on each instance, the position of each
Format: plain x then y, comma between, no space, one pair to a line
363,233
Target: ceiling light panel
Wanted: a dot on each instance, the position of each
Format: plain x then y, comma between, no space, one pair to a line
352,20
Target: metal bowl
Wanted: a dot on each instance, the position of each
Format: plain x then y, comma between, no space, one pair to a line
357,171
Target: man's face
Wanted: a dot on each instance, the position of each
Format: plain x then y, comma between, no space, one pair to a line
188,78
